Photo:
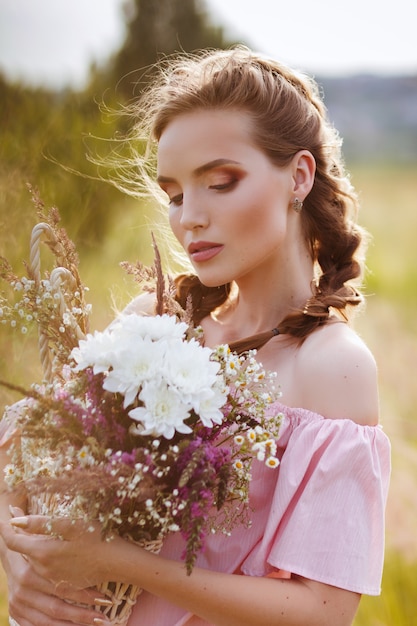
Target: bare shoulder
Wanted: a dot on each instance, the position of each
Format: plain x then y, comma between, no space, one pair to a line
144,304
339,375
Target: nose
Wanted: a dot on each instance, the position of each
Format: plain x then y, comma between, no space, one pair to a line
193,213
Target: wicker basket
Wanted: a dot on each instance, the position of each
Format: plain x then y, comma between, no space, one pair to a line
122,596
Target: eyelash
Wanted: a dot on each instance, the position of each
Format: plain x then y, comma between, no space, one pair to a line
177,200
224,186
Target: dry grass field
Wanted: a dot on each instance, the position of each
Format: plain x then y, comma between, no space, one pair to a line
389,326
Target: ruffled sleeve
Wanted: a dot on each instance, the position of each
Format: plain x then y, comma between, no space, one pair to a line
326,520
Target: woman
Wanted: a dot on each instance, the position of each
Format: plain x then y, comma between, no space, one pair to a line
260,204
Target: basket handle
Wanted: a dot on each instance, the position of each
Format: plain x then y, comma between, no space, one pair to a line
59,277
35,267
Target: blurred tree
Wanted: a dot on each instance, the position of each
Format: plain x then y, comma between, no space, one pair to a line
43,136
157,28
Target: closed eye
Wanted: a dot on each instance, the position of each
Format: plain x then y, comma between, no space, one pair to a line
230,184
177,200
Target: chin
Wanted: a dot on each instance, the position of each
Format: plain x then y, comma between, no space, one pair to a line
211,281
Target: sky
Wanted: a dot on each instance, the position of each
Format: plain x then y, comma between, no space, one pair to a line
53,42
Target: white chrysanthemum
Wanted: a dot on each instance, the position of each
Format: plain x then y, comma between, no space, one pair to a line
208,404
154,328
163,412
103,350
136,350
95,351
189,368
131,368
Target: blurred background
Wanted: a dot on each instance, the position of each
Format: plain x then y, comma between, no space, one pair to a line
61,60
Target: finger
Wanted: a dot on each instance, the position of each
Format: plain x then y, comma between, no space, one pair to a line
35,524
31,546
31,583
61,527
15,511
38,609
14,539
88,597
77,615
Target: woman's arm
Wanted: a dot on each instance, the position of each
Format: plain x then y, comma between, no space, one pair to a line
82,559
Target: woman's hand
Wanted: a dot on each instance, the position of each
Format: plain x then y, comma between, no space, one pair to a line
39,588
36,602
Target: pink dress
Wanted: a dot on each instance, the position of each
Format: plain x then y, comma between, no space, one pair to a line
319,515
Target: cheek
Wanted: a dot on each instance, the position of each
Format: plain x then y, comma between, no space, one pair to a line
261,226
259,212
174,222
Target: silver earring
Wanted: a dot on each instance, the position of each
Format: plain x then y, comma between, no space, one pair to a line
297,205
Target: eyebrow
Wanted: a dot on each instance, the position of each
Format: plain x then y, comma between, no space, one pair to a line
211,165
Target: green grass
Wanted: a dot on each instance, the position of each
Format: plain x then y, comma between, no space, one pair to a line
389,212
396,606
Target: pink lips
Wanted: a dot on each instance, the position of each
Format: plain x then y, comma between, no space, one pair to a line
204,250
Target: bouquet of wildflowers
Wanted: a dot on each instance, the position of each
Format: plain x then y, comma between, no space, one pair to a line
139,427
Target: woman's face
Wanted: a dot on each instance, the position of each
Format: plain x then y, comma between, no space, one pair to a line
228,204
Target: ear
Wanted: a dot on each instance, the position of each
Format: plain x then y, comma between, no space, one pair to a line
303,171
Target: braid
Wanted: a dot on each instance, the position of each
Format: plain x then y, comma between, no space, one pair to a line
337,244
204,299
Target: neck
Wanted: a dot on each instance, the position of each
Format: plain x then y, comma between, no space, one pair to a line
257,306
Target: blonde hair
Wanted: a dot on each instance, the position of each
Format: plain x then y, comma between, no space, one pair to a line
289,116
